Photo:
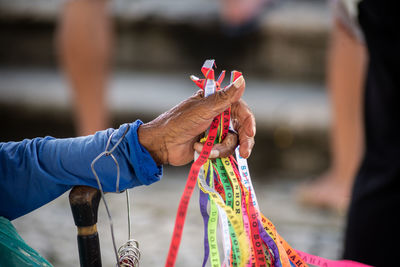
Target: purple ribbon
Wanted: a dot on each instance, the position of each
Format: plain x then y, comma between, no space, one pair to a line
203,201
270,244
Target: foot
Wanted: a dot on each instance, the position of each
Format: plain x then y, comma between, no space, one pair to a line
326,192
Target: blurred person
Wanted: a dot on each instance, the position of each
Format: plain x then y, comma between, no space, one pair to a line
371,233
34,172
345,71
85,42
85,39
238,12
239,17
346,61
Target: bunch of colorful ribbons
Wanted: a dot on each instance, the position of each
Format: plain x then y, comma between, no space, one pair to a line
228,203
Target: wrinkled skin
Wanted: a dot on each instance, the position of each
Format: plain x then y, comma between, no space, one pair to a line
173,136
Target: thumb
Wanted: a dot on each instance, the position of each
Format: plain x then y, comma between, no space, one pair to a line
224,98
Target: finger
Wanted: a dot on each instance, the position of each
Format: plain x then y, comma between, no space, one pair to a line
246,147
243,116
199,93
234,91
228,145
230,94
222,150
244,123
246,143
213,153
215,104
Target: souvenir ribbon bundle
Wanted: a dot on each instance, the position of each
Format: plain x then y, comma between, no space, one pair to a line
228,203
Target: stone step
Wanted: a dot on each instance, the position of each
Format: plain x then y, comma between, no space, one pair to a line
293,119
290,42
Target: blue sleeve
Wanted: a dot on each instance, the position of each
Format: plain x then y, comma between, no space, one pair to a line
34,172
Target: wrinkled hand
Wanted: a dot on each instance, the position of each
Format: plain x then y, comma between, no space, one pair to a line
173,136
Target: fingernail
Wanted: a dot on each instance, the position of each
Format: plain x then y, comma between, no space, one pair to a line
198,147
239,82
214,153
248,153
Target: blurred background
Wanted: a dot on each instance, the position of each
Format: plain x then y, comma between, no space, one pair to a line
281,47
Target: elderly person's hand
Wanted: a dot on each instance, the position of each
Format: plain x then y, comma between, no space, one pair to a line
173,137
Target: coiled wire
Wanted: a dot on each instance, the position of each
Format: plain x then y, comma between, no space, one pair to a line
128,255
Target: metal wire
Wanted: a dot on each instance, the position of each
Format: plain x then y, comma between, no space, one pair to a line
128,205
128,255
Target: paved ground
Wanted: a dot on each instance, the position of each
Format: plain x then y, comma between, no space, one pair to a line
50,229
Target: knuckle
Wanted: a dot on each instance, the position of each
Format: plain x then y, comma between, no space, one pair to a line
223,95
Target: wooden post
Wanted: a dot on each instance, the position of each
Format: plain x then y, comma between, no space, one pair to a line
84,201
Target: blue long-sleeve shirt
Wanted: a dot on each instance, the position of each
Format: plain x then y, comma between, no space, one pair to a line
34,172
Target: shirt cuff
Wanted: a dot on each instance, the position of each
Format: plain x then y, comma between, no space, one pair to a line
145,167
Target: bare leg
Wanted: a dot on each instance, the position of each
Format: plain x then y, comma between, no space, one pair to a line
85,40
345,81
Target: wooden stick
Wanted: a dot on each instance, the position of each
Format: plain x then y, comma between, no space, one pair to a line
84,202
